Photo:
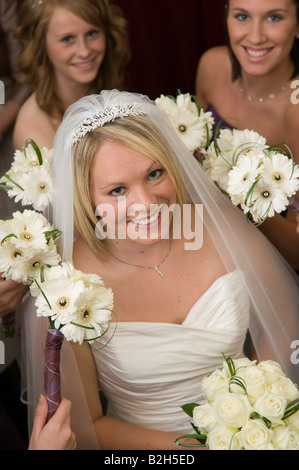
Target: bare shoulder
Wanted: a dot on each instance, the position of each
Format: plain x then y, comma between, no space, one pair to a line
33,123
83,258
213,68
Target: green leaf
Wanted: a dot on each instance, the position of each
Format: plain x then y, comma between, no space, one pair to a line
230,364
13,182
199,437
189,407
42,292
36,149
291,409
5,187
53,234
237,381
256,415
8,236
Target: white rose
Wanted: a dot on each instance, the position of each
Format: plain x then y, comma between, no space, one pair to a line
285,388
204,418
256,436
272,406
272,370
255,382
286,438
232,410
223,438
214,384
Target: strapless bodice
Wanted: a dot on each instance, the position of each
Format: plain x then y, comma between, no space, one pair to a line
149,370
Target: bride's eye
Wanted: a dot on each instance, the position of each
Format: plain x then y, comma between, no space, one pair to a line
116,191
155,174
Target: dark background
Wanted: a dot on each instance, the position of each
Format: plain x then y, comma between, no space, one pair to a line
167,40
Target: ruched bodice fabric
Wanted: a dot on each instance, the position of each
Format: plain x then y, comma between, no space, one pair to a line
148,370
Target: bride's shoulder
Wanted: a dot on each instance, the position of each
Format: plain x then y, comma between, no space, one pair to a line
83,258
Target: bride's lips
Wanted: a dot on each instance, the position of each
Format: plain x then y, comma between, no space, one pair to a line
148,221
257,55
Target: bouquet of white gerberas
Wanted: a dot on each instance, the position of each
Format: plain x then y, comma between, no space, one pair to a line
29,178
258,178
27,243
78,305
250,407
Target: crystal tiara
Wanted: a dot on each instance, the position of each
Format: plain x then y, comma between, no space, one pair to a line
109,114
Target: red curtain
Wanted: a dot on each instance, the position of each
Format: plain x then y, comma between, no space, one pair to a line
167,39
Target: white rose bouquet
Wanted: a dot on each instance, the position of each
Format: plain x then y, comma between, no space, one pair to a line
250,407
191,123
260,179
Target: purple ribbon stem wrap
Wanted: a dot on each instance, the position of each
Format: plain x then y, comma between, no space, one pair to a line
52,386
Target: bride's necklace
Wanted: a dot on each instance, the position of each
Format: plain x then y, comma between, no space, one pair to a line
270,96
155,268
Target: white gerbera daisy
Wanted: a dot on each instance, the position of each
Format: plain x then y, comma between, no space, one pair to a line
38,188
58,299
27,159
242,176
190,125
13,262
281,172
267,199
40,258
13,180
247,139
92,316
29,229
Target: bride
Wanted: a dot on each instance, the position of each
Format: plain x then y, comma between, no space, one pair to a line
188,284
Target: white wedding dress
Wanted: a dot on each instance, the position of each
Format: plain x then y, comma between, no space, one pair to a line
149,370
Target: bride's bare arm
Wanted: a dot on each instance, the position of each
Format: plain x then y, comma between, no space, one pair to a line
114,434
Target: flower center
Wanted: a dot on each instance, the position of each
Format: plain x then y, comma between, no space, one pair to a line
35,265
63,302
26,236
17,254
182,128
85,314
277,177
266,194
42,186
34,163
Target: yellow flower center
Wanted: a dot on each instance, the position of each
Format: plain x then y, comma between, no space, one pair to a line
34,163
35,265
26,236
63,302
42,186
85,314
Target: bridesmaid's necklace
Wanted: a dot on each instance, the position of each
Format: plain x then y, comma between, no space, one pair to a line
155,268
270,96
